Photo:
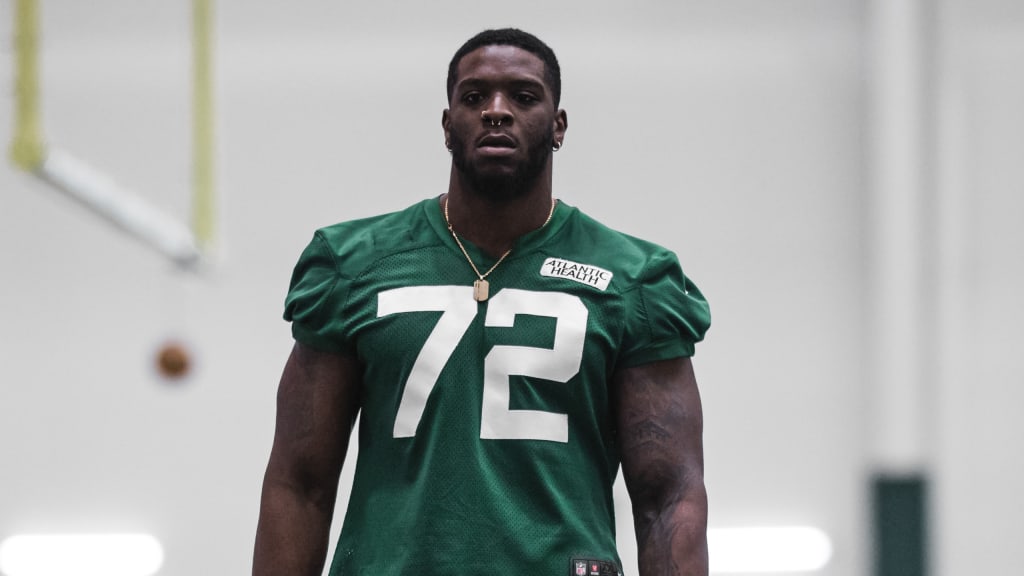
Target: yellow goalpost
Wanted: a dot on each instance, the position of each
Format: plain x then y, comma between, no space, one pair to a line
187,245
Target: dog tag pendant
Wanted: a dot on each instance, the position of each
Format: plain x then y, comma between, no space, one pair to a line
480,290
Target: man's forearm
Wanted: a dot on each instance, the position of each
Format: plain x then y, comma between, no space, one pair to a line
673,541
291,538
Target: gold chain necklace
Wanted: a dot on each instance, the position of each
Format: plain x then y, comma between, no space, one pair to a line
481,287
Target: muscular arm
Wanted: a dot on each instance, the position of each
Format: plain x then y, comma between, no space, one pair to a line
660,439
317,403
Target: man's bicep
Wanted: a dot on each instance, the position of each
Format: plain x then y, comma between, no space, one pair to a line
317,402
659,425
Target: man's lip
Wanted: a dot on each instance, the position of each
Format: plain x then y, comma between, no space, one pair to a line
496,141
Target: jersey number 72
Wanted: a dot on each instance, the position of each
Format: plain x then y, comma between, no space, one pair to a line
458,309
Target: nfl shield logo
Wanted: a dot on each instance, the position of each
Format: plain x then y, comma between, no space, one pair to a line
581,568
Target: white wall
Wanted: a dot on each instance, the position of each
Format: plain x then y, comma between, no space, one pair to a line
978,283
730,130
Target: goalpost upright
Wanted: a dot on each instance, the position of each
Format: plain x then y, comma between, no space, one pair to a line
186,245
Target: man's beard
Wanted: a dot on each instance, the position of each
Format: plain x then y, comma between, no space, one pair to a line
503,187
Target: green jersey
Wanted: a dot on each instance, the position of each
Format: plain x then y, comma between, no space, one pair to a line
486,436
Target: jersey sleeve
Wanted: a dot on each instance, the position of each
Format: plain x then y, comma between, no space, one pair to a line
667,314
316,299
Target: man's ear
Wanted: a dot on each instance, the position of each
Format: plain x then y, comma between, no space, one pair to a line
561,125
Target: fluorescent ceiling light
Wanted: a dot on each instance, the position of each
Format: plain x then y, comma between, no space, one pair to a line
768,549
80,555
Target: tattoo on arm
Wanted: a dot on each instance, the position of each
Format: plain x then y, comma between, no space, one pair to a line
660,426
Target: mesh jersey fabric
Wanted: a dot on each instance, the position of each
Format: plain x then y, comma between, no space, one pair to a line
486,440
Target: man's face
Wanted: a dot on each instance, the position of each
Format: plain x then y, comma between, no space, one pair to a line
502,84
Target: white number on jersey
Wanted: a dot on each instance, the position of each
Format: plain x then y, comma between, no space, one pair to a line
458,309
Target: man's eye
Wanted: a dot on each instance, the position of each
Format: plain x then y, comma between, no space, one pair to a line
472,98
526,98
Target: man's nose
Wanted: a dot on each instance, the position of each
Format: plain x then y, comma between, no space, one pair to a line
497,112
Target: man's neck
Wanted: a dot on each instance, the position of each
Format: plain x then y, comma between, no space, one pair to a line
494,225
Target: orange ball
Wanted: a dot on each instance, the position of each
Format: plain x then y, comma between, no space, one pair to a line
173,360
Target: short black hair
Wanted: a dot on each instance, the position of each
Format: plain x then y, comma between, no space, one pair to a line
510,37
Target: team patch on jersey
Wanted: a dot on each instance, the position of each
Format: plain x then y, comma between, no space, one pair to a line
582,273
591,567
